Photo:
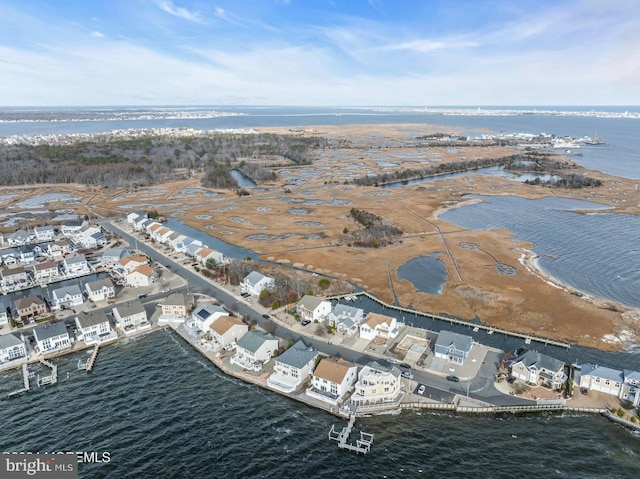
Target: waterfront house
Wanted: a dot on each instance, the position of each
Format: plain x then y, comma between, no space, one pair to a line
140,277
136,216
602,379
181,246
205,315
254,349
377,385
46,272
453,347
379,326
163,235
226,331
76,265
292,367
175,238
66,297
28,253
70,228
131,317
112,256
51,337
9,256
176,307
58,249
100,289
192,250
346,319
152,228
89,237
19,238
129,263
44,233
94,327
202,255
332,379
255,282
313,308
534,367
29,308
5,311
14,278
13,351
630,390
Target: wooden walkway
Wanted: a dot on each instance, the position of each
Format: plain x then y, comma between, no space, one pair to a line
523,409
362,445
51,378
92,360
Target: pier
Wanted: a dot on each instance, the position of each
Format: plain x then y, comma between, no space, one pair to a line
362,445
25,378
93,357
50,378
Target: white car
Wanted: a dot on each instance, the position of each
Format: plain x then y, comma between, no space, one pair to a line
421,389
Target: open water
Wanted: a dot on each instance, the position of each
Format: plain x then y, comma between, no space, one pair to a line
162,410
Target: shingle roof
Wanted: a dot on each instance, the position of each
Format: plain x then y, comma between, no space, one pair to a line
224,323
91,318
78,258
71,290
310,302
298,355
27,301
461,342
253,340
50,330
345,311
384,368
9,341
99,284
540,361
207,310
332,369
130,308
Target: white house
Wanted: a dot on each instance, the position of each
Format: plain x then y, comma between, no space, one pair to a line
70,228
346,319
131,317
181,246
141,276
292,367
534,367
9,256
192,250
133,218
14,278
100,289
205,315
44,233
202,255
67,296
377,385
602,379
255,282
89,237
58,249
12,351
46,272
313,308
112,256
254,349
19,238
379,326
129,263
76,265
5,307
453,347
94,327
226,331
332,379
51,337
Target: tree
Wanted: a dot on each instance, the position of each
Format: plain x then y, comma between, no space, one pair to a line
324,283
211,263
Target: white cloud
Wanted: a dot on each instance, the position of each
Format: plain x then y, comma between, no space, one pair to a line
181,12
97,34
424,46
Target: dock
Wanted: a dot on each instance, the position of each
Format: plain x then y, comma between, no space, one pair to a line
27,384
93,357
362,445
49,378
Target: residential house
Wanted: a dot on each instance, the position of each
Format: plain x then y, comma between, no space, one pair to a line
202,255
192,250
181,246
29,252
13,351
162,235
9,256
313,308
293,367
346,319
379,326
70,228
44,233
134,217
204,316
332,379
176,307
131,317
46,272
112,256
76,265
142,224
602,379
14,278
255,283
254,349
19,238
51,337
453,347
630,390
59,249
5,311
175,238
100,289
377,385
141,276
89,237
29,308
129,263
94,327
535,367
67,297
226,330
152,230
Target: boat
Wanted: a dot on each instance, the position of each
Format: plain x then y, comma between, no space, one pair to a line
564,143
594,141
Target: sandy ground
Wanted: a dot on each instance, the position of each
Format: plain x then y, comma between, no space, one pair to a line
305,227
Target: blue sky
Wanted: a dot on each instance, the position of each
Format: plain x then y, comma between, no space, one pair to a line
333,52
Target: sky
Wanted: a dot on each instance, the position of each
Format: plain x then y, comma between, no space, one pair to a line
319,52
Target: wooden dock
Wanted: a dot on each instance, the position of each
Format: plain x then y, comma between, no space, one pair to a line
50,378
362,445
93,357
25,379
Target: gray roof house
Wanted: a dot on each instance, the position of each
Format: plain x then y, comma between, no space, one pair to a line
67,296
254,349
205,315
535,367
12,351
453,347
255,282
346,318
313,308
51,337
292,367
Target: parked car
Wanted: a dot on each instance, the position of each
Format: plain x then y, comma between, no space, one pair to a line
421,389
584,390
407,374
304,322
511,379
266,316
405,365
142,296
392,360
455,379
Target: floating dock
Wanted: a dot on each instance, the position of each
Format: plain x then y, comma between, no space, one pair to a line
362,445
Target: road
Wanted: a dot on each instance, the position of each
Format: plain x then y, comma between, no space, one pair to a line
438,388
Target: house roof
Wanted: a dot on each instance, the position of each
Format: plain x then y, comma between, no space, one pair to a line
332,369
78,258
540,361
461,342
254,278
298,355
629,374
44,228
176,299
13,271
74,223
311,302
27,301
204,252
50,330
143,269
130,259
46,265
384,368
71,290
207,310
130,308
91,318
345,311
99,284
155,226
20,234
9,341
253,340
375,319
225,323
594,370
114,253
